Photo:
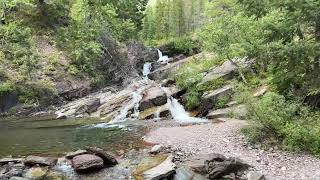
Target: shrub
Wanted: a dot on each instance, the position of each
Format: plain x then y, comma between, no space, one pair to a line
6,87
181,45
277,120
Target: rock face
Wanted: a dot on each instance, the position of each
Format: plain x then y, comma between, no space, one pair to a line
154,96
161,111
163,170
87,162
210,98
37,160
108,158
226,70
238,111
165,71
7,101
9,160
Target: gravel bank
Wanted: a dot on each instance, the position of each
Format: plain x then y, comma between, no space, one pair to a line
226,139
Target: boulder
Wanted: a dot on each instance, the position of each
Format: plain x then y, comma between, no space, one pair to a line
210,98
71,155
108,158
36,173
87,162
197,164
238,111
153,96
219,166
157,149
163,170
37,160
226,70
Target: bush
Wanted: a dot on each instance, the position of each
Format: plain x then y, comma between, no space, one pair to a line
277,120
181,45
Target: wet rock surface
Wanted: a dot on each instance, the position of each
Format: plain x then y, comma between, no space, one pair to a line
87,162
152,97
108,158
38,160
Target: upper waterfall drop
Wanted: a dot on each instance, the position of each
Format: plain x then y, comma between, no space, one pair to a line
162,59
146,70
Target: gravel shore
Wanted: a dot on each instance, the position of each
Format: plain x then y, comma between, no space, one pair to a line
225,138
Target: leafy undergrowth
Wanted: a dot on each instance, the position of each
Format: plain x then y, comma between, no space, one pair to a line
189,77
275,120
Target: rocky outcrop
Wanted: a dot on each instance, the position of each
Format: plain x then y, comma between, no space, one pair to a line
152,97
87,162
227,69
37,160
238,111
209,99
165,71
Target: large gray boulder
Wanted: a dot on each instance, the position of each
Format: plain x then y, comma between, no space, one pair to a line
152,97
227,69
209,99
87,162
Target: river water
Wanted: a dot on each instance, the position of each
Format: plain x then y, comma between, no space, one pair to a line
55,137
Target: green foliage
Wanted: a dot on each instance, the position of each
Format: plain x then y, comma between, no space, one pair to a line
283,37
165,19
39,92
182,45
222,102
276,120
6,87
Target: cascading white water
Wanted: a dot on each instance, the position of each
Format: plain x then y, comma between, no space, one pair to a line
178,112
146,71
162,59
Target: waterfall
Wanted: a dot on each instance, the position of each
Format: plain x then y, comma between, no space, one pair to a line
178,112
162,59
146,71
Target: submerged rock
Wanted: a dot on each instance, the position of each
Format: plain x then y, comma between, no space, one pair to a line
87,162
36,173
44,161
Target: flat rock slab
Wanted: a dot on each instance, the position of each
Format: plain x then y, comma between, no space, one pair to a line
238,111
87,162
152,97
71,155
163,170
44,161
